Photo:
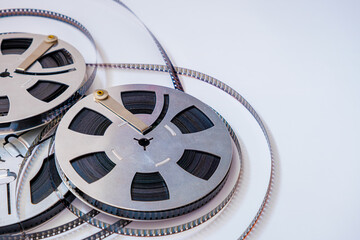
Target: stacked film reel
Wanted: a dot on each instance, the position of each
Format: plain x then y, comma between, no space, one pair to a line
48,85
135,160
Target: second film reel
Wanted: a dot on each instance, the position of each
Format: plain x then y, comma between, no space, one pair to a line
39,77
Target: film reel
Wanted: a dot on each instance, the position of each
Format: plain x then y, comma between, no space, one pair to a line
178,144
39,77
40,202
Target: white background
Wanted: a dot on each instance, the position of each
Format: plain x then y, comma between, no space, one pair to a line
296,62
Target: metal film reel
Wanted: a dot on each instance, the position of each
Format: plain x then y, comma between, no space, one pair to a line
33,96
180,162
39,202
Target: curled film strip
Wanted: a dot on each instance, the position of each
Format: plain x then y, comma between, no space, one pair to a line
220,85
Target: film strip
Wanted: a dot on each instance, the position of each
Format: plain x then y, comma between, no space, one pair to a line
120,226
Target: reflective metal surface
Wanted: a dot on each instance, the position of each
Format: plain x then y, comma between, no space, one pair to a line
161,155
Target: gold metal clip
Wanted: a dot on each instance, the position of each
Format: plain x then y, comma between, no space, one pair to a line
102,97
49,41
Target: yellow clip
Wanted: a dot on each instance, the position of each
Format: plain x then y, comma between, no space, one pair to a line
49,41
102,97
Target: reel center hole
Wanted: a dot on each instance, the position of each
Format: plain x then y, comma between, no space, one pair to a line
144,142
5,74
